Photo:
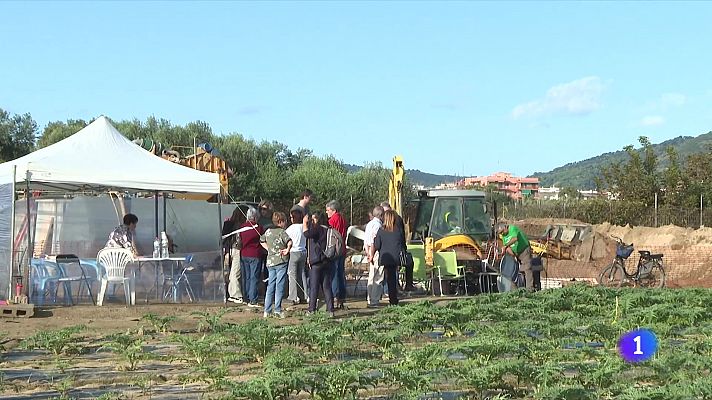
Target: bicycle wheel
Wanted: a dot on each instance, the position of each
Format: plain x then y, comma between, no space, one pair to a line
611,276
654,277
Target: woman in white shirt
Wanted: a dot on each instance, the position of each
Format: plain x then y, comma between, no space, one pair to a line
297,260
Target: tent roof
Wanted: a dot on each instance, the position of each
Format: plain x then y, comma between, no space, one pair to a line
100,157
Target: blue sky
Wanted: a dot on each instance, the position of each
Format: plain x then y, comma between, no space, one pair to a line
455,87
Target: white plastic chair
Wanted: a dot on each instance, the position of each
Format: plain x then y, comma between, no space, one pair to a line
114,261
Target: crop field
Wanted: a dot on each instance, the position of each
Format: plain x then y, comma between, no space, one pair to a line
554,344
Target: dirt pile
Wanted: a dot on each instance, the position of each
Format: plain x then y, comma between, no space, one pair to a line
670,235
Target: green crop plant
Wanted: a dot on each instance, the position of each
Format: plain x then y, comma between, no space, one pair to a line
257,338
111,396
389,343
342,380
201,350
158,323
285,359
324,340
62,341
63,387
130,347
212,322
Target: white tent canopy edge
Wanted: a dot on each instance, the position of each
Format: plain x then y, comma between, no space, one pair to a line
100,158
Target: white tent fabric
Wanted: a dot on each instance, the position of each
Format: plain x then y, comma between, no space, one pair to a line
99,157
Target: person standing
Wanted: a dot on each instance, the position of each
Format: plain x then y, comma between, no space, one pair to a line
389,243
320,268
278,244
338,284
516,243
304,201
265,221
251,255
400,227
236,285
374,288
296,271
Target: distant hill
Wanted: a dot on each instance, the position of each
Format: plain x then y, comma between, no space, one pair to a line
418,177
581,174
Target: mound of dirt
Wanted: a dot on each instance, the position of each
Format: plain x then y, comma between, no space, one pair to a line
548,221
669,235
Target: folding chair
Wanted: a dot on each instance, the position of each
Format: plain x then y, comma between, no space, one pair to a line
182,277
70,273
446,265
421,272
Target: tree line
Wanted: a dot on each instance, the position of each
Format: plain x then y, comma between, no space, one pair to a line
262,170
641,192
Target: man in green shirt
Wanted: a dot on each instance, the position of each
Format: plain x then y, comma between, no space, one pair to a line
515,242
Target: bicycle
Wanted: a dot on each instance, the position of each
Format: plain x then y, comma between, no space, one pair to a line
649,271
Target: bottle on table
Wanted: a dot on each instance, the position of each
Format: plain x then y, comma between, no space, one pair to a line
156,248
164,245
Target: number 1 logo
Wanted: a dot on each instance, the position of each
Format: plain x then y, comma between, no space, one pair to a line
638,345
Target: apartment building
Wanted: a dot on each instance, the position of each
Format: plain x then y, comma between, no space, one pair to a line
514,186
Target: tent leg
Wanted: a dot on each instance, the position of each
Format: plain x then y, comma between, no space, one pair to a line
155,197
222,253
12,236
165,201
30,250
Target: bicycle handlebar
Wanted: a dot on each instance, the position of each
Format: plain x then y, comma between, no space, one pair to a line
620,241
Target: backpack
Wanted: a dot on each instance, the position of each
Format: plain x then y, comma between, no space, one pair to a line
334,244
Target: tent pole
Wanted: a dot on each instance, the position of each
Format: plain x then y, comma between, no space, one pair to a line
165,201
30,251
222,254
12,235
155,197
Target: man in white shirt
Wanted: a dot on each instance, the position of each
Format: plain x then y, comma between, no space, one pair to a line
375,271
297,259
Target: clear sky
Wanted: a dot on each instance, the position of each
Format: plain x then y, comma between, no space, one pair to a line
455,87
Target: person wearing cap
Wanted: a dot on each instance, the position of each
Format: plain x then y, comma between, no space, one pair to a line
515,242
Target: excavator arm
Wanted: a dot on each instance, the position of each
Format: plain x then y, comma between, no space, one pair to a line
395,185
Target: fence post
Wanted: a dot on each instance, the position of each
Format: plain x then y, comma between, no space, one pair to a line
656,209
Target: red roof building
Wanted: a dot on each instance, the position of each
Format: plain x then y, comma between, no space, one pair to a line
514,186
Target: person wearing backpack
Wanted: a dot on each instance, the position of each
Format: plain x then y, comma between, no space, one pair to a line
389,243
320,267
338,283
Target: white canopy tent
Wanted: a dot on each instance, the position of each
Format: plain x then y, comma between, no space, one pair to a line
100,157
97,158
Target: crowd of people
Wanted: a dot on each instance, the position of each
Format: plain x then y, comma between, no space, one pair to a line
287,253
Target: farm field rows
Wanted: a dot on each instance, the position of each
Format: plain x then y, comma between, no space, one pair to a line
554,344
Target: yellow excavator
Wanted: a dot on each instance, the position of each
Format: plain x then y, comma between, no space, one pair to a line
443,221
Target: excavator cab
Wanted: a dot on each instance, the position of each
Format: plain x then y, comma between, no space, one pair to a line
447,213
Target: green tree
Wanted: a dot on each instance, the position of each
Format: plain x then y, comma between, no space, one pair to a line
674,182
17,135
634,179
570,193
